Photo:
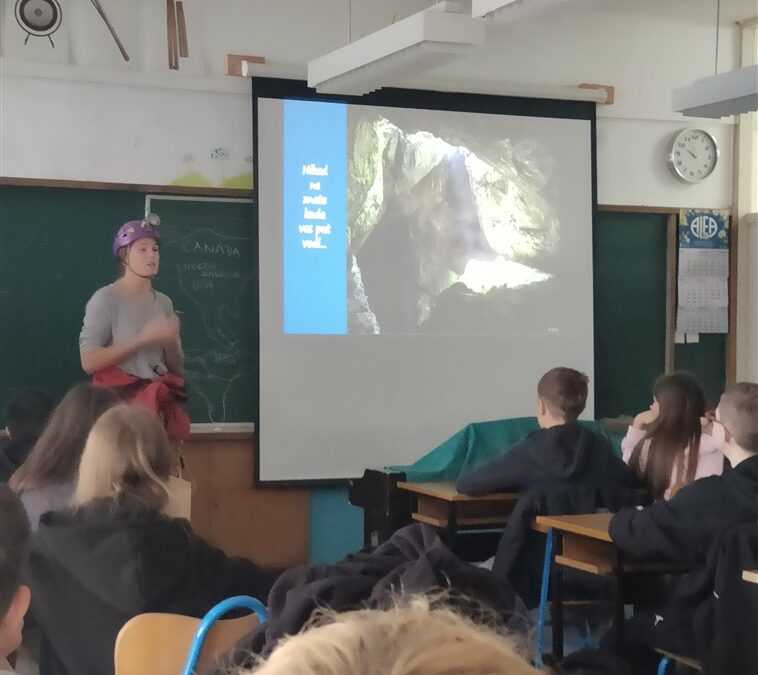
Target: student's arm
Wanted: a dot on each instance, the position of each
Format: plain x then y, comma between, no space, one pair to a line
192,575
633,436
674,529
507,472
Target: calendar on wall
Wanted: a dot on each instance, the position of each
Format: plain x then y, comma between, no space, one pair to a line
703,280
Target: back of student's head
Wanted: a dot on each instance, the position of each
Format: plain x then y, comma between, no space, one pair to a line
26,414
677,427
127,455
413,638
564,392
14,551
738,412
54,459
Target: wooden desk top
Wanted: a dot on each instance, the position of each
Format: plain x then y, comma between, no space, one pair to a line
448,493
590,525
750,575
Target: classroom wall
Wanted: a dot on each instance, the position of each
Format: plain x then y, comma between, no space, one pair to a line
81,113
57,118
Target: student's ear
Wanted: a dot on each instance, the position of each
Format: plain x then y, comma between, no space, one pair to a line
541,408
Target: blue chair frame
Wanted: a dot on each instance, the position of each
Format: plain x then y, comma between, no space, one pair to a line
545,586
215,613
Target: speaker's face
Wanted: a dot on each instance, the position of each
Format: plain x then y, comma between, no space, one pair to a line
38,17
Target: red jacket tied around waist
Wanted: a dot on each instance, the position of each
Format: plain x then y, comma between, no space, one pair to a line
163,396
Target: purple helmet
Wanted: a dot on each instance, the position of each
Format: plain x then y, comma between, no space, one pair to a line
136,229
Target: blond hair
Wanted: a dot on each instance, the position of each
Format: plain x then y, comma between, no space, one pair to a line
127,454
412,638
738,410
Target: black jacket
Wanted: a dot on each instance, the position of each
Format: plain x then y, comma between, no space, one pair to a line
562,470
414,560
726,614
686,527
711,524
91,570
567,452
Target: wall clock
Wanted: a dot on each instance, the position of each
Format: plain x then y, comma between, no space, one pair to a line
693,155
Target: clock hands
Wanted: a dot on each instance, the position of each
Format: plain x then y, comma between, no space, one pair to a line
694,156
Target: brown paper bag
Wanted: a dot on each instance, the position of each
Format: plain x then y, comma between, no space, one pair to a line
179,498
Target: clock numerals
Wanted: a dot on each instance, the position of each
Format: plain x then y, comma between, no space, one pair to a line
693,155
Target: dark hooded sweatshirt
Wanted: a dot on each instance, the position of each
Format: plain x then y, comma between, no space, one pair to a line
687,526
92,570
561,470
709,612
567,452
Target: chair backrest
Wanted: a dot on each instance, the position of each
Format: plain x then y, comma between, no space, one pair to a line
159,643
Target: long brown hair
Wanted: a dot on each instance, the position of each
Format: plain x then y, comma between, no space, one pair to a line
681,403
54,459
127,455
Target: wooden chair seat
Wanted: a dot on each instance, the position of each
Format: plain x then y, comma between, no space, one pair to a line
159,643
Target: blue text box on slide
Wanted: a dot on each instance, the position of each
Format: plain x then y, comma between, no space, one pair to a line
315,218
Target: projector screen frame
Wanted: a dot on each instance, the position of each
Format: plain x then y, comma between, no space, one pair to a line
279,88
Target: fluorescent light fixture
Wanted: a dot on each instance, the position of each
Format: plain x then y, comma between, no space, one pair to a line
424,40
729,93
513,10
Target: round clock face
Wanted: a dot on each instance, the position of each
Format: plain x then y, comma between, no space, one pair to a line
693,155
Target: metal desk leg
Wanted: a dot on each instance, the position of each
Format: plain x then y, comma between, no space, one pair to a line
558,601
547,563
452,527
618,597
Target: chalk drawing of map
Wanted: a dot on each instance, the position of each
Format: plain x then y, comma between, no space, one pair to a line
212,283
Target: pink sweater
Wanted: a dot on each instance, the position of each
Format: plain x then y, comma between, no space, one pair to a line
710,460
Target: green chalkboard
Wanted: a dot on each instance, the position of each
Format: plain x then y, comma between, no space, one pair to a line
209,268
55,252
629,261
630,317
707,360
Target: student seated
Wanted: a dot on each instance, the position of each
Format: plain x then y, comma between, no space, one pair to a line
665,446
25,418
562,449
411,638
14,551
562,468
116,554
688,526
46,480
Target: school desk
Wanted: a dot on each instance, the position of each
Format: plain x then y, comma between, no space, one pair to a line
582,542
443,507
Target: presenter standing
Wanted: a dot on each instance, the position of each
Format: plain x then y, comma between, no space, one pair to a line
130,336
